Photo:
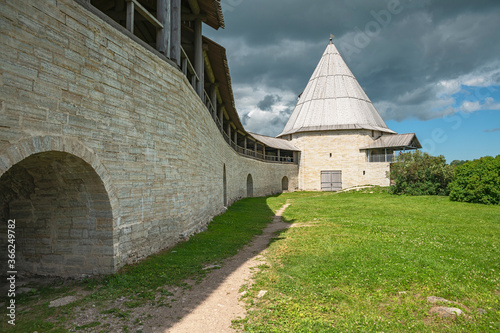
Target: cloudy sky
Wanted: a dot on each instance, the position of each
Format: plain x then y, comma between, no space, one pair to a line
430,66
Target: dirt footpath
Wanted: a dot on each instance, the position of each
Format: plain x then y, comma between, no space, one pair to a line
211,305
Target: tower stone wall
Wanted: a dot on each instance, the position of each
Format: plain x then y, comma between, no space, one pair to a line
337,150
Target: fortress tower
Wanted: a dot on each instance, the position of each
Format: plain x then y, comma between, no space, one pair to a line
344,141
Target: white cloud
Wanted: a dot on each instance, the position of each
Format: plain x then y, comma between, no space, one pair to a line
473,106
266,122
437,100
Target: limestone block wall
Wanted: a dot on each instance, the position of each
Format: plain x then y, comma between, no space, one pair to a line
337,150
111,139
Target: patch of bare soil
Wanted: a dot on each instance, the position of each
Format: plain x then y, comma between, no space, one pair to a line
209,306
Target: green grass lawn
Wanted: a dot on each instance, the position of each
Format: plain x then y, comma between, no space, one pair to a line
366,262
140,282
360,262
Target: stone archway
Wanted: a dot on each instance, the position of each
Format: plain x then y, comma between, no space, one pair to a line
284,184
249,186
63,215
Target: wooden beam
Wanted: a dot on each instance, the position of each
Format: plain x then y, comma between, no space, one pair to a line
144,12
122,16
188,46
208,68
184,66
130,16
219,96
175,31
221,116
195,7
198,58
213,99
189,66
163,34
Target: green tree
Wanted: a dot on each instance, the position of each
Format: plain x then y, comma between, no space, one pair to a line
458,162
477,181
418,173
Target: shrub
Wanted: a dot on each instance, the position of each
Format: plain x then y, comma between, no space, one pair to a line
477,181
418,173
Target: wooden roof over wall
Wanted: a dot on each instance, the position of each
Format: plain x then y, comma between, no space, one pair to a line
408,141
274,142
220,67
210,9
218,62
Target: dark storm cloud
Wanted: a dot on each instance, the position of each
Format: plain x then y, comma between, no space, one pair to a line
410,56
244,119
267,103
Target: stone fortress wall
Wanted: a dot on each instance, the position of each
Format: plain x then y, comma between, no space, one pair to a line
107,154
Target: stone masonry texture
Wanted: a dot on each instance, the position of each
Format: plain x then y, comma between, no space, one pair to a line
338,150
107,155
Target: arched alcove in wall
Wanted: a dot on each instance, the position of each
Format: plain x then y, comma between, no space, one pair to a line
249,186
63,216
224,184
284,184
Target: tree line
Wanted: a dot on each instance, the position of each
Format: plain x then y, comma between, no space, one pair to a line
418,173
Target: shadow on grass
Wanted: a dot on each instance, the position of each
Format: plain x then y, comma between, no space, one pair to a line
170,269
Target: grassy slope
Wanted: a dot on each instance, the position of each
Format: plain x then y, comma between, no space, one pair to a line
369,262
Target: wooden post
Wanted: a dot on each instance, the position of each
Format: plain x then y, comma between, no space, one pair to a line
198,58
279,155
213,98
175,31
130,16
184,66
236,138
163,35
245,145
221,117
193,81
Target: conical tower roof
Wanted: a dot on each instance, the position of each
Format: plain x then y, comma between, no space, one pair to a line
333,100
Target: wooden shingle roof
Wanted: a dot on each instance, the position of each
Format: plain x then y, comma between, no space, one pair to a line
213,9
334,100
408,141
274,142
